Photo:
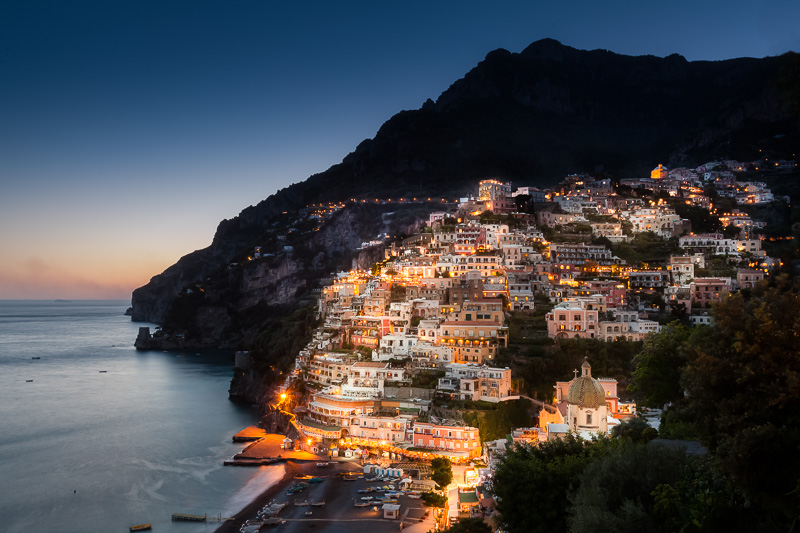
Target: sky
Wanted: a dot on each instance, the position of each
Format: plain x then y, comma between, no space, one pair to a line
130,128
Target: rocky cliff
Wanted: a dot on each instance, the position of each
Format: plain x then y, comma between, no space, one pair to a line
530,117
215,299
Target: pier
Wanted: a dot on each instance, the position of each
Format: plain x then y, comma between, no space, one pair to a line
266,450
189,517
249,434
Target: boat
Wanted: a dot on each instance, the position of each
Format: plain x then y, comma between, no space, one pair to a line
316,480
297,487
141,527
28,381
320,503
363,504
103,371
323,464
301,503
36,357
273,508
308,513
348,477
274,521
414,496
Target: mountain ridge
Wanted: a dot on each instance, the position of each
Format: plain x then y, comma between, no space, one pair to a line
529,117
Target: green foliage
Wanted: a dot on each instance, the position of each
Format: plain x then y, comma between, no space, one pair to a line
703,500
469,525
442,471
644,247
635,429
282,335
676,425
427,379
742,377
656,378
365,352
434,499
532,484
615,491
501,419
702,221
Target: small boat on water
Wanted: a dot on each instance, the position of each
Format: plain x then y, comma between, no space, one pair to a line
36,357
141,527
28,381
316,480
308,513
323,464
103,371
362,504
301,503
274,521
320,503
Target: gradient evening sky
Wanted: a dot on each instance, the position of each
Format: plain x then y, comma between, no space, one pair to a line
130,128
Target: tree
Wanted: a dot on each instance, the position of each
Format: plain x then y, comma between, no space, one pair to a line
442,471
658,367
743,383
531,484
433,499
635,429
615,491
469,525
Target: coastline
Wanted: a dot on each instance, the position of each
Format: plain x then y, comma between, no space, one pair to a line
338,514
293,468
250,510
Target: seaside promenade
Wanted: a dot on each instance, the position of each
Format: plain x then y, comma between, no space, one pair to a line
339,515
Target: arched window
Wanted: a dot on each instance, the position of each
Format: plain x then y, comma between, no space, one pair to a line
589,418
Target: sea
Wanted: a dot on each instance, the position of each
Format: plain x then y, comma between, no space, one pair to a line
97,436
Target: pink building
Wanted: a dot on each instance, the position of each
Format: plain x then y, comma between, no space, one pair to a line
441,437
704,291
577,317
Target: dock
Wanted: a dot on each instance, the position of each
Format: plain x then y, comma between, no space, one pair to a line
249,434
267,450
189,517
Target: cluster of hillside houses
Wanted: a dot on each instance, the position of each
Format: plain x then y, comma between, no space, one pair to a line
438,302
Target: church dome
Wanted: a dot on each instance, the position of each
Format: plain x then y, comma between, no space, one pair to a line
586,391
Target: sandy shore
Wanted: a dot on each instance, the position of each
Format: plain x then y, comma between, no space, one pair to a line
339,514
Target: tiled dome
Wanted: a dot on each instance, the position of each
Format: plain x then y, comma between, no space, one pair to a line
586,391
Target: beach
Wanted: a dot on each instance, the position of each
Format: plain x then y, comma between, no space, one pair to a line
339,515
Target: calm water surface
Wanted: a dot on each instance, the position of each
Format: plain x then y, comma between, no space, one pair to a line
83,450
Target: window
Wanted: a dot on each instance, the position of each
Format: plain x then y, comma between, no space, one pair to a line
588,418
